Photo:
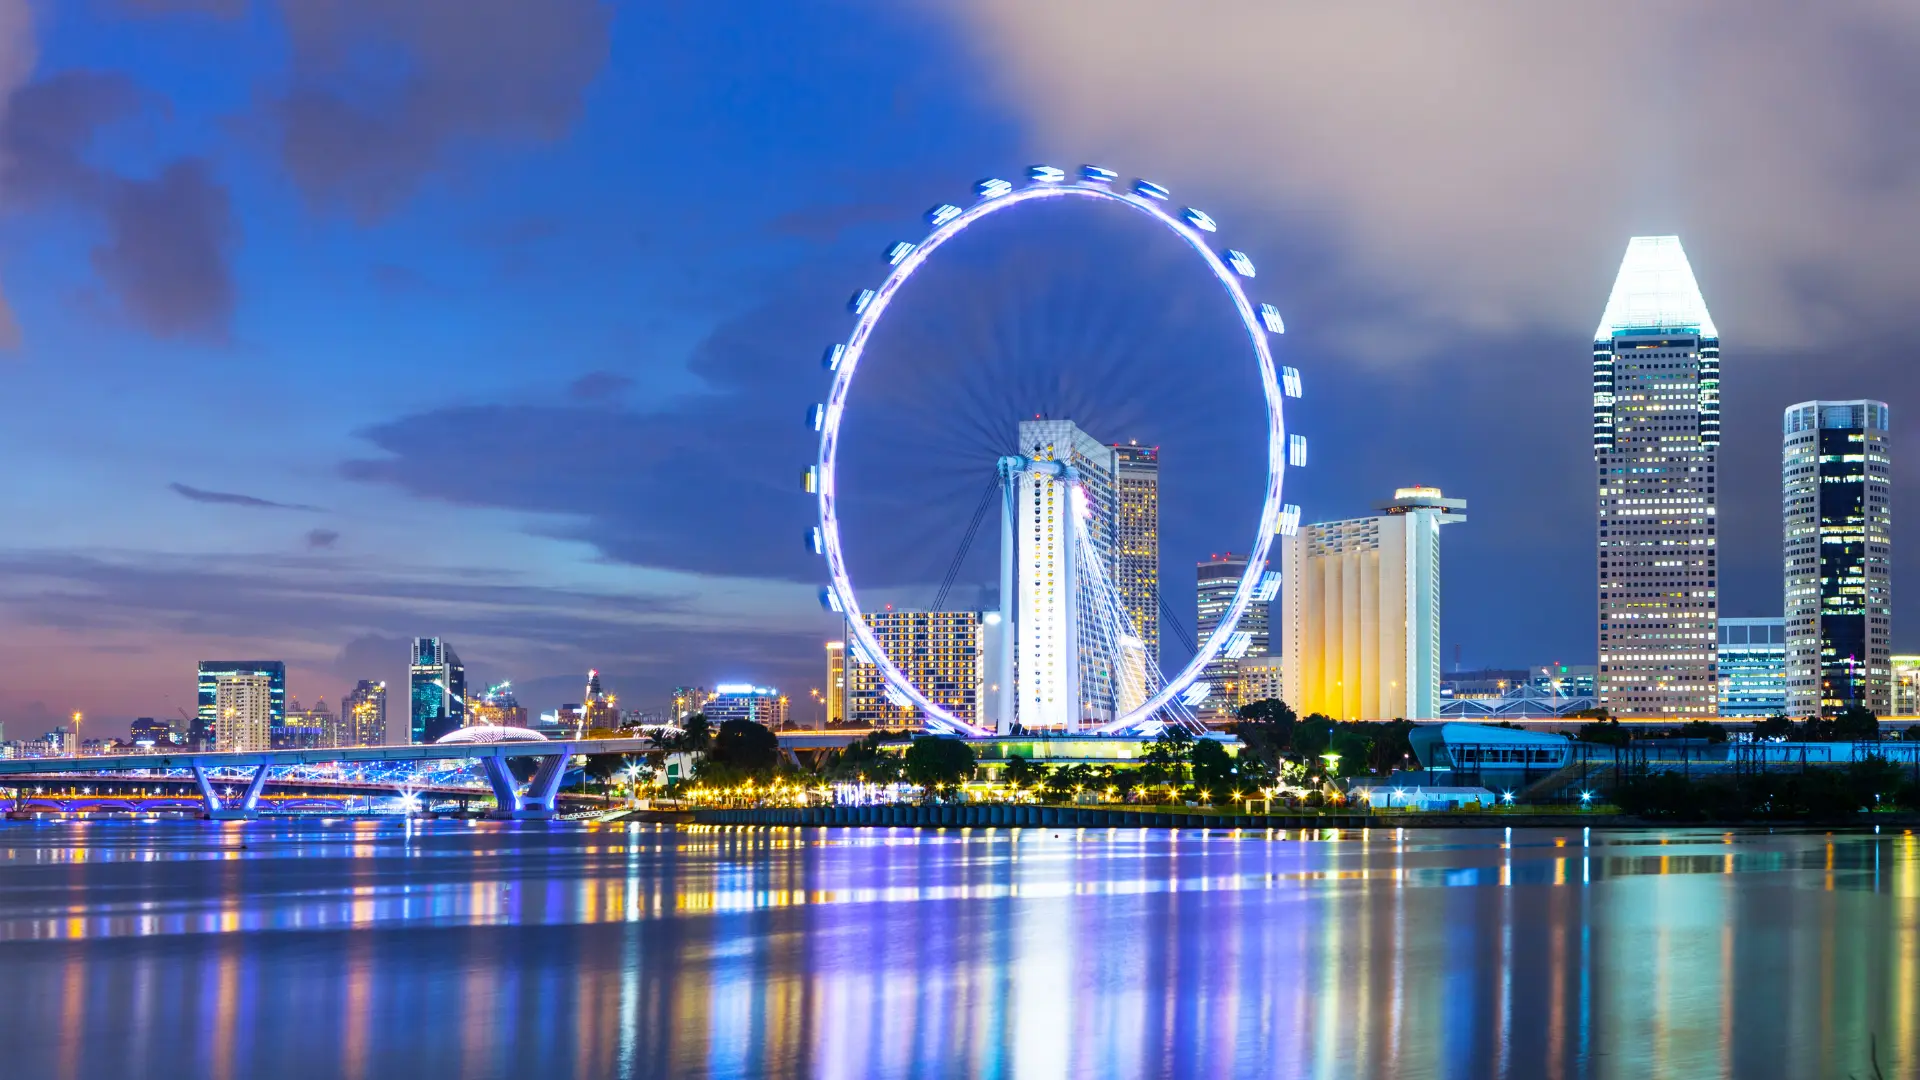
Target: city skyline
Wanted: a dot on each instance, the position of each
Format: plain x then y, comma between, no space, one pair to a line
575,471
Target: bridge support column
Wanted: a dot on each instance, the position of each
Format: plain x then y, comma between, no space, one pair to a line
506,792
250,802
216,808
537,803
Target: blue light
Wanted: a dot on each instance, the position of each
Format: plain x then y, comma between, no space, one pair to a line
1151,190
1269,315
942,214
992,189
831,601
816,416
811,480
1586,797
1269,587
1507,797
1296,450
1195,694
1045,174
1199,220
816,543
1239,261
903,249
861,299
1098,175
1290,381
832,357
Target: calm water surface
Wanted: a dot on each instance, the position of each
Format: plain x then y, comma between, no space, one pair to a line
374,950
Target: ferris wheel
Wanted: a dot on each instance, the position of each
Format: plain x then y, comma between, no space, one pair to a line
1165,696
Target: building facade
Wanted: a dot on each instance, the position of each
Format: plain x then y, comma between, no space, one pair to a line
688,700
1066,673
1656,441
1753,667
1215,582
1261,678
436,691
836,693
244,705
306,728
1136,539
1906,685
942,653
206,722
498,707
363,714
1835,486
1360,611
745,701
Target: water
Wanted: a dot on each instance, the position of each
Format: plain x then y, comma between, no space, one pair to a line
371,950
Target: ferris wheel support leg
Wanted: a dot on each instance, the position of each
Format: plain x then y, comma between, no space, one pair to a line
1009,603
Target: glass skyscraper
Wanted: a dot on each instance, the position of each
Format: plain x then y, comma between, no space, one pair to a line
1753,667
206,724
1136,539
1835,485
436,691
1656,440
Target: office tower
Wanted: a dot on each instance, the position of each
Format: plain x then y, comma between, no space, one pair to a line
836,683
600,710
1753,667
745,701
687,700
1906,686
436,691
146,732
1360,611
1066,674
1835,482
244,707
942,653
1261,678
363,714
498,707
1216,580
1656,438
1136,539
206,724
306,728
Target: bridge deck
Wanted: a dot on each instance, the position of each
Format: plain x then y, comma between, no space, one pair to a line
344,755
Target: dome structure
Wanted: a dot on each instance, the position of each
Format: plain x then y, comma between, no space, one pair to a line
490,733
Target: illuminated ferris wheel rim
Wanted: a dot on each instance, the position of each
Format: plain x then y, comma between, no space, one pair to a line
1230,268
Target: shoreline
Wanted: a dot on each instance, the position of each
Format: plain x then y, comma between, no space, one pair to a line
1074,817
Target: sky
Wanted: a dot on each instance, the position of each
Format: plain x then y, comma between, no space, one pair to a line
329,323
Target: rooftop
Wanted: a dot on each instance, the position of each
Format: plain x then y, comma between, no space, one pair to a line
1655,290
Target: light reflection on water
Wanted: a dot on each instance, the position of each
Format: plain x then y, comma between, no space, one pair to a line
373,949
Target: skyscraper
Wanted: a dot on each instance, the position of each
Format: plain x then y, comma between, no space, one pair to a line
1656,438
836,683
1216,580
600,710
436,691
1136,539
1753,667
363,715
206,723
1360,611
244,705
1066,674
1835,483
306,727
942,653
1906,686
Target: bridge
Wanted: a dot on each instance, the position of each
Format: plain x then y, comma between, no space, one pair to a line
511,800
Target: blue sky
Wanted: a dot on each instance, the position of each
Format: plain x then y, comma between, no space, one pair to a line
328,324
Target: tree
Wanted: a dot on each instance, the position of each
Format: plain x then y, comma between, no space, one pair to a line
1773,728
1018,772
938,763
694,736
1604,731
747,747
864,761
1212,767
1266,727
1311,737
1355,748
1702,729
1856,723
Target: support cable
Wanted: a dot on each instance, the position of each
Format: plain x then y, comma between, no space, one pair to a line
966,544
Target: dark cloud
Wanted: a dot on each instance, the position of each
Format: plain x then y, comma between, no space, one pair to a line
228,498
455,74
218,9
169,237
322,538
599,386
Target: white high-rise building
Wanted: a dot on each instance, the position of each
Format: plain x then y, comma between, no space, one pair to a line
1360,611
1064,674
1656,438
1835,478
244,704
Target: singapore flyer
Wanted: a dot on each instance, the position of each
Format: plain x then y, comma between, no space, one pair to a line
1069,645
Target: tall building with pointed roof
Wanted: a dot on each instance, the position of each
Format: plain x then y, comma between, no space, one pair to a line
1656,441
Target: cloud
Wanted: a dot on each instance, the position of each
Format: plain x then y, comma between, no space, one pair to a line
16,64
322,538
599,386
228,498
169,236
218,9
1480,164
456,74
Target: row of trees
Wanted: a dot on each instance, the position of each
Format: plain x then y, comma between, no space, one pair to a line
1853,724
